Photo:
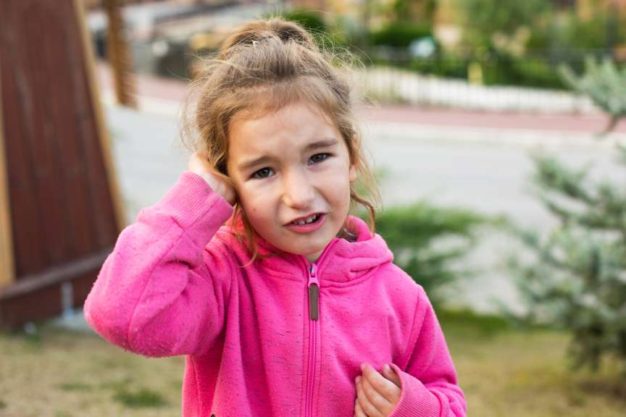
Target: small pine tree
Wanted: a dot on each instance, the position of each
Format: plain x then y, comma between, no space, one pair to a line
428,242
577,275
604,83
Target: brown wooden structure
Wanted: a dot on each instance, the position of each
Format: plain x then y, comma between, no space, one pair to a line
118,55
60,213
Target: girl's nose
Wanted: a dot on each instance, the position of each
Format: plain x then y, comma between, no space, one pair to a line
298,192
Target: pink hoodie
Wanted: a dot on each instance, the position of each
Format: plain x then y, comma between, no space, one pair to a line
180,283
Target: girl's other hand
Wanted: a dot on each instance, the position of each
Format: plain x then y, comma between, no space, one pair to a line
377,394
199,164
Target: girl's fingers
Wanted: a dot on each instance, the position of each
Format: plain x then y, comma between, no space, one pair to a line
370,401
199,164
358,411
391,375
382,387
364,402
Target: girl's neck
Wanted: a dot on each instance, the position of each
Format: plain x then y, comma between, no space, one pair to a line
346,234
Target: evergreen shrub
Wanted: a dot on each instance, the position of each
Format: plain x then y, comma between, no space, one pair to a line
400,34
575,274
428,242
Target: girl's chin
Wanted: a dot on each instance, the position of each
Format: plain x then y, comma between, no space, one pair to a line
310,252
313,257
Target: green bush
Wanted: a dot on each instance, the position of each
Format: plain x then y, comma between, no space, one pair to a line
399,34
410,10
309,19
569,40
604,83
575,277
427,241
583,34
499,70
333,35
539,73
441,65
481,19
504,69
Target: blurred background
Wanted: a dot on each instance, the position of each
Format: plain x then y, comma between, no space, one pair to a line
495,129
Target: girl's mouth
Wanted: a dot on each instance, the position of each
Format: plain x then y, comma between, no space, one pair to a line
307,220
307,224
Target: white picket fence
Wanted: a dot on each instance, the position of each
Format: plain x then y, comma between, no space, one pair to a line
390,84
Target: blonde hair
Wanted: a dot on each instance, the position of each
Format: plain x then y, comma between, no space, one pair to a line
261,67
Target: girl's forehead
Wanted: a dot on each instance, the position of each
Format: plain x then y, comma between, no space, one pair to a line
297,122
266,108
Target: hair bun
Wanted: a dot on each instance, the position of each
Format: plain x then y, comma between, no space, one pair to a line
258,30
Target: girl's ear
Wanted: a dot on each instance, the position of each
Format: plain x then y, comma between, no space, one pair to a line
352,173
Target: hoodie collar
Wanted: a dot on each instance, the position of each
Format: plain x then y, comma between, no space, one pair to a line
341,261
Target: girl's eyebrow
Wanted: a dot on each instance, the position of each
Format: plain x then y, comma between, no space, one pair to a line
244,166
323,143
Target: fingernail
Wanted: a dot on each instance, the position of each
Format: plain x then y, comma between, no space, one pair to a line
362,367
387,368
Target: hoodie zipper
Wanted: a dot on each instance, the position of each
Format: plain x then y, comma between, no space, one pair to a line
313,322
313,290
314,293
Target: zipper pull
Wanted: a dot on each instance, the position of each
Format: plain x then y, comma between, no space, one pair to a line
314,293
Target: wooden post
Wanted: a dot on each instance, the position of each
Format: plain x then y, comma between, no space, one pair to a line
59,197
103,135
119,56
6,239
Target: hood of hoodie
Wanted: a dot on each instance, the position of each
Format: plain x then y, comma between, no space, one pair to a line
341,261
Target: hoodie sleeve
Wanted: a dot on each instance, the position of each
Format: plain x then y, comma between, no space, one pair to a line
160,293
429,381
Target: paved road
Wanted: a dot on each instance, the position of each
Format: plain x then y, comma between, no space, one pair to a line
486,169
489,173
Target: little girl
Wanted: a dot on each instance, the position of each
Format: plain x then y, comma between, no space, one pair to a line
251,266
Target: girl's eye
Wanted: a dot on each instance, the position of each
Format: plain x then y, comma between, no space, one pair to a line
319,157
262,173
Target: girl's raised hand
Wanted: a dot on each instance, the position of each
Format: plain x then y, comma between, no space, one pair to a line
377,394
199,164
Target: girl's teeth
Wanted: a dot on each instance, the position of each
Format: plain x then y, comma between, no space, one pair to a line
308,220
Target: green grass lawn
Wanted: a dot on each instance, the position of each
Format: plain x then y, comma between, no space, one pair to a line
504,372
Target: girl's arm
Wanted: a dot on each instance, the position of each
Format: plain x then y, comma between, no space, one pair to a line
429,382
161,292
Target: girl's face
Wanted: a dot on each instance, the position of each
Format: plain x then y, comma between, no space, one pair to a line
292,173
